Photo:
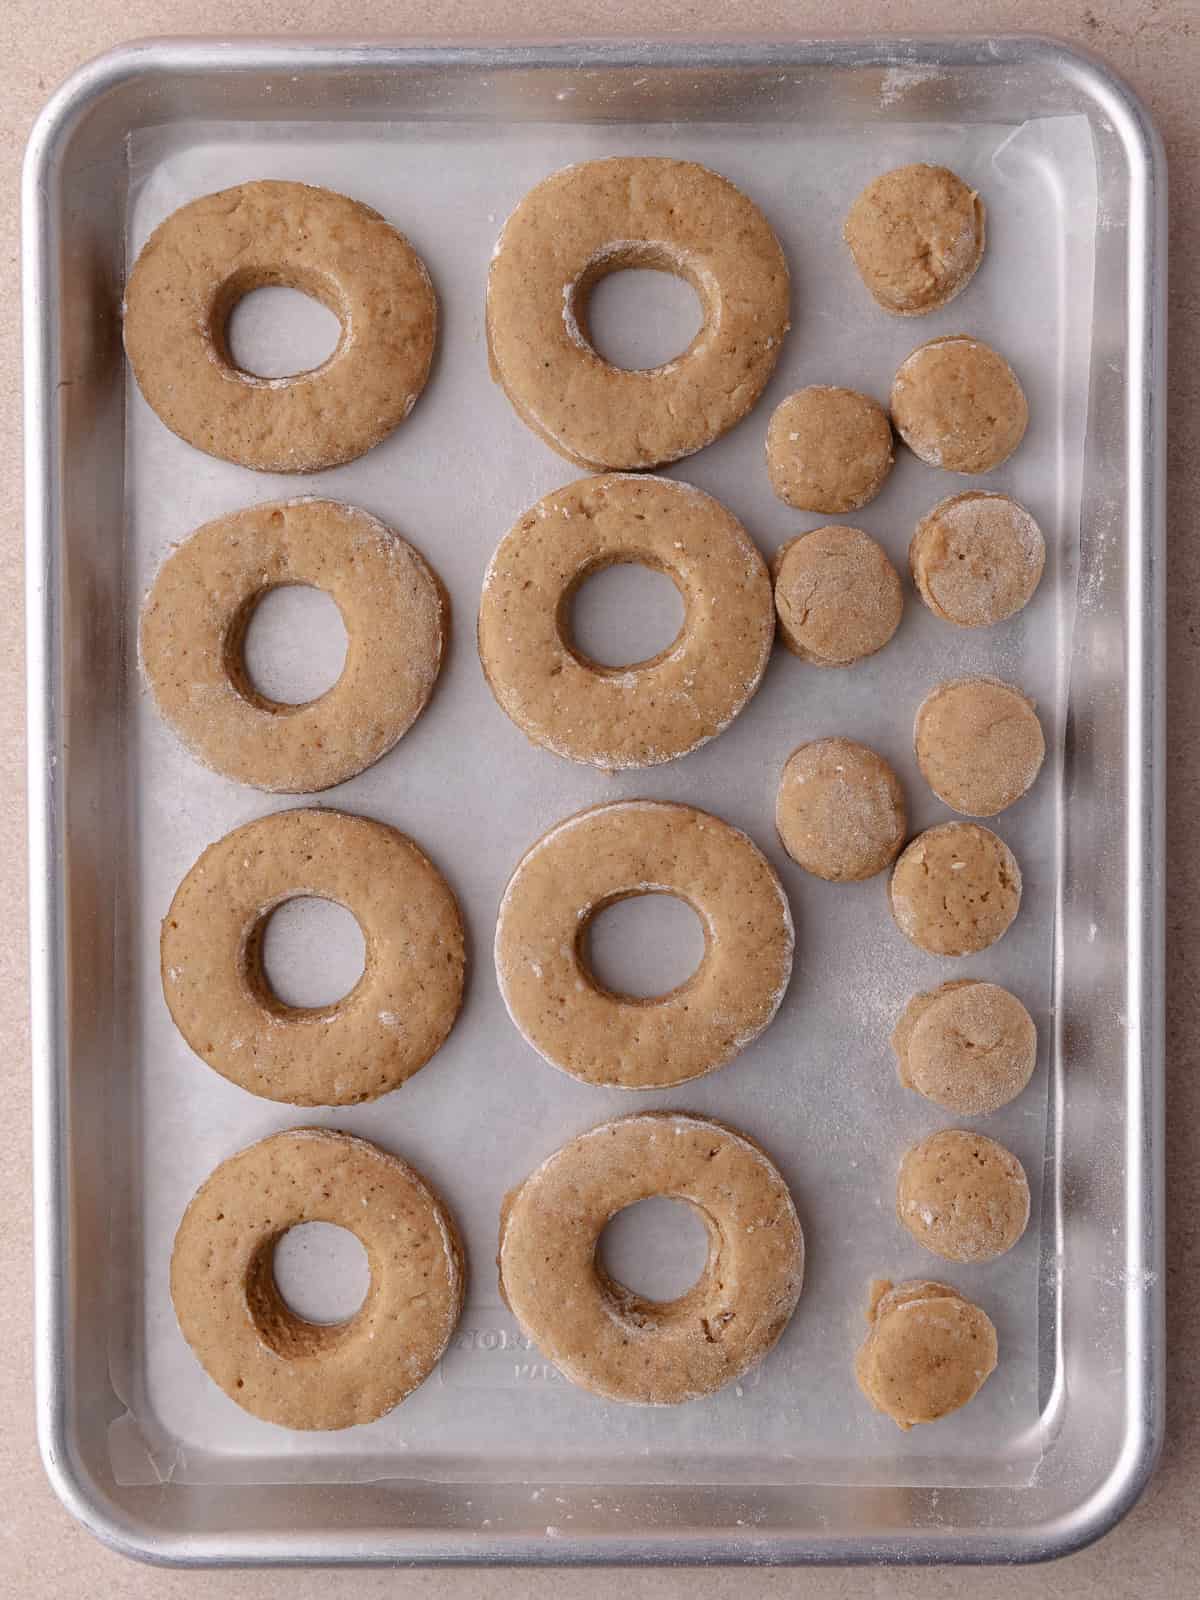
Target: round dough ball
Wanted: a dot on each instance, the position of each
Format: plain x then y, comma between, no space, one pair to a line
840,810
929,1351
957,404
837,596
917,235
977,558
979,744
956,889
963,1196
828,449
970,1047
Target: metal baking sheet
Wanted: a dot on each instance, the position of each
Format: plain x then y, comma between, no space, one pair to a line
789,1464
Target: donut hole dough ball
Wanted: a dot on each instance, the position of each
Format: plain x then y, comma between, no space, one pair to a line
977,558
970,1047
603,1336
393,1020
598,217
955,889
963,1196
614,852
840,810
929,1351
208,255
828,449
916,235
195,617
274,1363
979,744
837,596
654,710
957,404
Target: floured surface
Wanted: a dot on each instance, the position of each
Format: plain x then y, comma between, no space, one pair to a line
819,1087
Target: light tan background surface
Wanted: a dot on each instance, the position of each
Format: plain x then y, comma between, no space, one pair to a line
1156,45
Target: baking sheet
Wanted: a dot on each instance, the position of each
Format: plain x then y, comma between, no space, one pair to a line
818,1089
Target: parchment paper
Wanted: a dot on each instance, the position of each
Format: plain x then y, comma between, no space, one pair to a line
819,1088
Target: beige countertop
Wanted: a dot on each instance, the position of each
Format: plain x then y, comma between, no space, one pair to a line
1155,44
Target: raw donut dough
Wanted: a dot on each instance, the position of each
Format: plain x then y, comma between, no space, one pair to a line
275,1364
654,710
398,1013
613,852
977,558
837,596
916,234
929,1351
957,404
634,211
828,449
840,810
956,889
206,256
979,744
600,1334
963,1196
196,614
970,1047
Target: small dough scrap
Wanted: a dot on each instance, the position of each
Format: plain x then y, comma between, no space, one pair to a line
977,558
840,810
929,1351
963,1196
979,744
917,235
956,889
837,596
828,449
957,404
968,1046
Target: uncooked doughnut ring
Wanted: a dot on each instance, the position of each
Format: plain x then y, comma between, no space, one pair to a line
208,255
275,1364
654,710
600,1334
195,618
586,221
614,852
398,1013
